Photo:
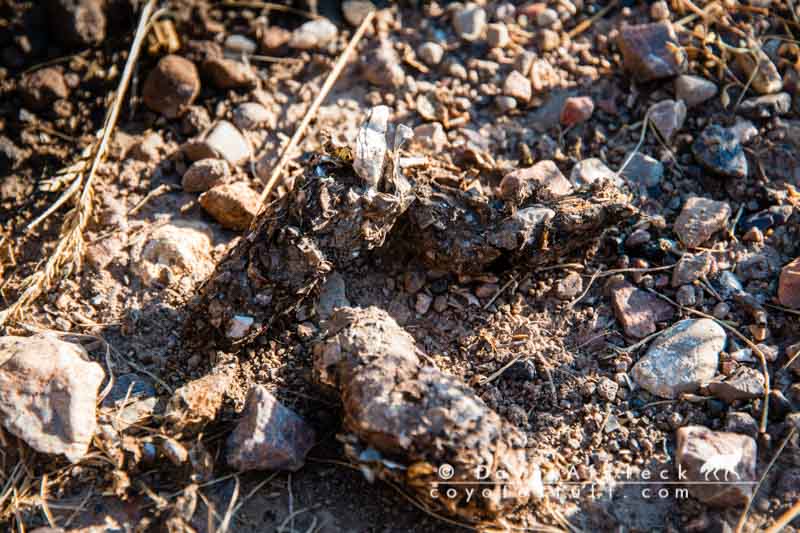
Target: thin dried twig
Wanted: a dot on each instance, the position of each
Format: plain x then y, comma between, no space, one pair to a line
784,519
312,111
68,255
743,517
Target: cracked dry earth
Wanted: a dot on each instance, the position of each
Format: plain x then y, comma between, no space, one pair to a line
582,265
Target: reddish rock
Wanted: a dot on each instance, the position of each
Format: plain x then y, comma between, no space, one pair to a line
576,110
637,310
269,436
171,86
789,285
651,51
729,458
42,87
543,177
228,73
700,219
205,174
691,267
518,86
233,204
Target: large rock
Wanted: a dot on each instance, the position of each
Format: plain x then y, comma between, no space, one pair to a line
48,393
171,86
174,251
651,51
730,458
269,436
700,219
744,384
668,117
637,310
681,359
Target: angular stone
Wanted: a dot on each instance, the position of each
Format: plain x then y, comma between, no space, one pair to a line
636,310
767,79
744,384
227,142
789,285
171,86
643,170
542,178
766,106
591,170
268,436
729,458
744,423
48,393
694,90
651,51
700,219
470,22
173,252
497,35
517,86
382,66
313,34
42,87
197,403
691,267
432,135
668,117
132,399
233,205
370,153
681,359
205,174
576,109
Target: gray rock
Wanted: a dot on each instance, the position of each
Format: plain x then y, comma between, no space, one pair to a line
699,219
268,436
720,150
681,359
370,153
648,51
470,22
668,117
694,90
315,33
636,310
707,455
544,178
333,295
49,393
691,267
570,286
250,115
133,398
766,106
739,422
643,170
744,384
431,53
239,44
226,141
591,170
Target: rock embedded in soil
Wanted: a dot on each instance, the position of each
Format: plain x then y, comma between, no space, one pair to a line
638,310
78,22
233,205
789,285
251,115
759,67
707,455
590,171
382,66
197,403
543,179
228,73
691,267
268,436
431,53
668,117
694,90
517,86
720,150
651,51
700,219
369,157
174,251
766,106
576,109
497,35
470,22
205,174
48,394
744,384
226,141
42,87
570,286
740,422
315,33
681,359
407,422
172,86
355,11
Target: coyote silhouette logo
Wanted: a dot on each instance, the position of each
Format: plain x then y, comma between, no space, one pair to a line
725,463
